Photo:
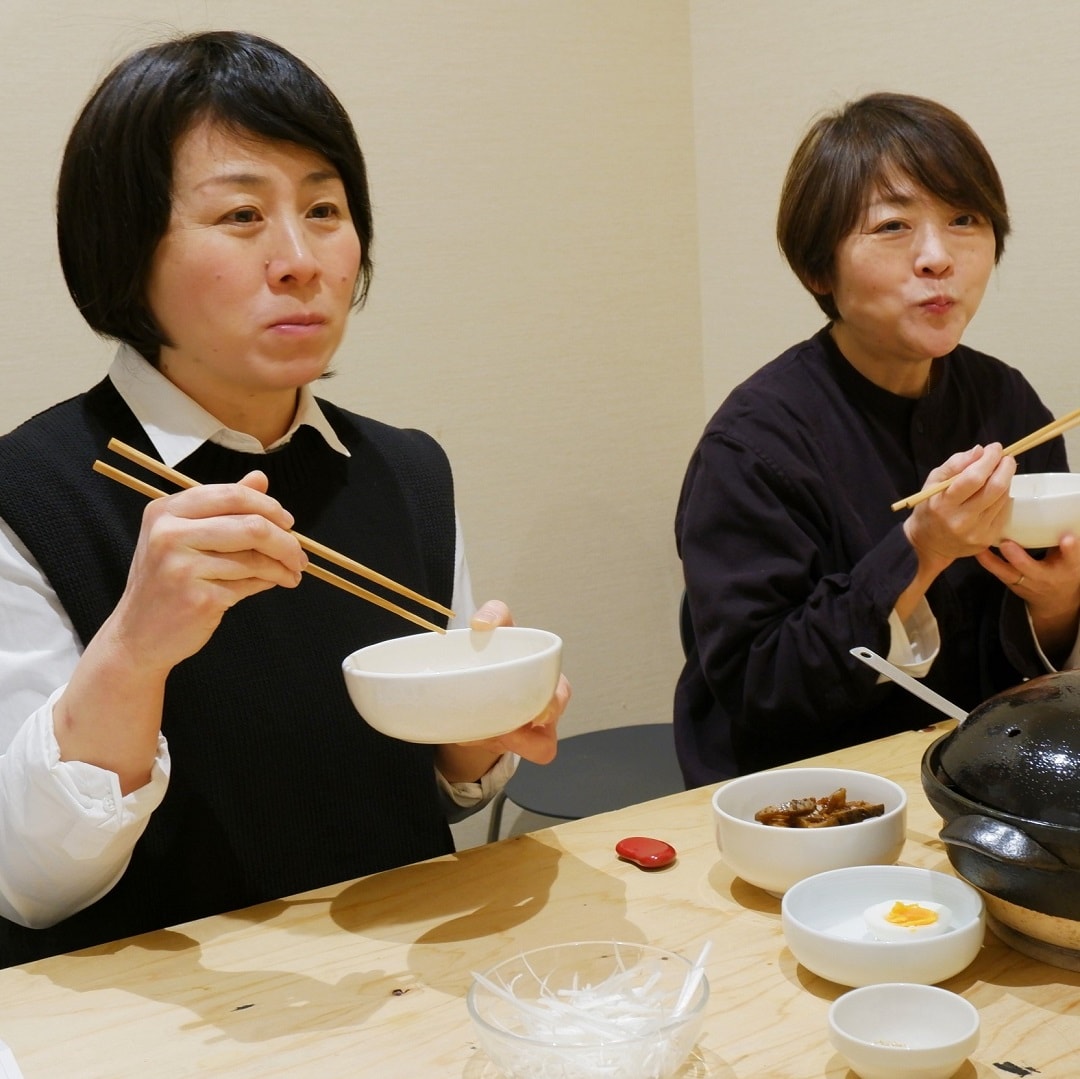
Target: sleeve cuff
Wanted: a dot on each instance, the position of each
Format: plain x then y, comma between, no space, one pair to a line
461,800
914,645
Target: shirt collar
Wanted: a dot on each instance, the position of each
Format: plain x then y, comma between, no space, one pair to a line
178,426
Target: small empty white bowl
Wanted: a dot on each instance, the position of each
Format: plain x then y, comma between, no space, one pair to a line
460,686
1043,506
826,929
775,858
903,1031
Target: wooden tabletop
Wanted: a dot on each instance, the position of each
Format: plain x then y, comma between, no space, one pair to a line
369,978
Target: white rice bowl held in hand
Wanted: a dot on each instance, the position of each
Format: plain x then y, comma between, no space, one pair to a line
774,858
1043,506
458,686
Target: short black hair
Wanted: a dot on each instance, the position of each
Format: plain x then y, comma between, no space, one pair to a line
114,194
870,143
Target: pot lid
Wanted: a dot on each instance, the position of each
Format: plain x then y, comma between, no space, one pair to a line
1019,751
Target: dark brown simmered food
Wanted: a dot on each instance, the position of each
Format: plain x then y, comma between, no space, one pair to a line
818,812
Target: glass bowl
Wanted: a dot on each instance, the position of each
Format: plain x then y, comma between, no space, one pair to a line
589,1008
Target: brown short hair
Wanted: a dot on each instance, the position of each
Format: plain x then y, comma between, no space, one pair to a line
114,197
868,144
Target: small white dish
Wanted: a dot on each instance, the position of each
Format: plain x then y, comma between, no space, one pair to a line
1043,506
775,858
825,925
903,1031
459,686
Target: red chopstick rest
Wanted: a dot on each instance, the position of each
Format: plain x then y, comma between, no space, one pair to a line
645,852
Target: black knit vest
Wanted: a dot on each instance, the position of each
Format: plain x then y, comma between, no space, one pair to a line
277,785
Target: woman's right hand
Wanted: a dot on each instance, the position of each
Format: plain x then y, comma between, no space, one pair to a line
968,516
199,552
963,520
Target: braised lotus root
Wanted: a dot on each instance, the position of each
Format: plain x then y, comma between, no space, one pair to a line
818,812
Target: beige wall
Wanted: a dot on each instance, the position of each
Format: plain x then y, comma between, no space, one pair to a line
535,302
763,70
544,174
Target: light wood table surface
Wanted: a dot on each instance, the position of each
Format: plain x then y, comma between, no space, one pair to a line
368,978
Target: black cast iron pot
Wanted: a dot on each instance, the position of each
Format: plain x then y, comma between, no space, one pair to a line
1006,783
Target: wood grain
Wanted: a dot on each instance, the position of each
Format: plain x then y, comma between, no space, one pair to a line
369,977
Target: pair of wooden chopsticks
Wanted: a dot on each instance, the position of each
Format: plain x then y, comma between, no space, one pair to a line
310,545
1028,442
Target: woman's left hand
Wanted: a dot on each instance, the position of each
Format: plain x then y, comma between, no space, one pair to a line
535,741
1050,587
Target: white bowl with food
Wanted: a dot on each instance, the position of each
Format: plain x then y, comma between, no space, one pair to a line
1043,506
868,826
590,1008
903,1031
865,925
459,686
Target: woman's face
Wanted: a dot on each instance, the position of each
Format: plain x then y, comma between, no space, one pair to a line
253,281
907,281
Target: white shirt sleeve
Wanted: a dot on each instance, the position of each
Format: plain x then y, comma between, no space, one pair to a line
66,832
914,644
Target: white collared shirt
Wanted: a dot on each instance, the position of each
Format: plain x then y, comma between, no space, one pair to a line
66,831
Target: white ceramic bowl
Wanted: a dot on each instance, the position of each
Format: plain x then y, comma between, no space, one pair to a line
454,687
825,928
903,1031
775,858
547,1021
1043,506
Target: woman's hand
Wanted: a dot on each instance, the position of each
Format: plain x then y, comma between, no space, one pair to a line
199,553
1050,587
963,520
967,517
535,741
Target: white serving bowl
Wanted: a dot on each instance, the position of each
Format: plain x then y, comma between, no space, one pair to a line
903,1031
546,1020
1043,506
824,925
454,687
775,858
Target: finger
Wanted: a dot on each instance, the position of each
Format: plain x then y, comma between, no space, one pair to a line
224,499
230,535
241,567
493,613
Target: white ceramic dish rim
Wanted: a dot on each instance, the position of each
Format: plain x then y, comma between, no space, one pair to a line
552,645
693,1011
748,781
958,1041
902,874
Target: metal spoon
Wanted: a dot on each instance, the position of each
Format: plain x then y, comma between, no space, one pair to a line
912,685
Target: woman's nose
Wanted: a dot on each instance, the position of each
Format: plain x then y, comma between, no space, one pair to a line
291,258
932,256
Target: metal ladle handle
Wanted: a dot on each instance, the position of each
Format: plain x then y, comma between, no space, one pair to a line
912,685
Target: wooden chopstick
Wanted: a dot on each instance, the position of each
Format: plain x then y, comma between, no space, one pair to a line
308,544
1028,442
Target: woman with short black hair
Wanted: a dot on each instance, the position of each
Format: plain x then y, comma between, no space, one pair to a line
176,736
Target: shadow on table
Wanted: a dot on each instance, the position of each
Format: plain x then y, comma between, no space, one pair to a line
454,916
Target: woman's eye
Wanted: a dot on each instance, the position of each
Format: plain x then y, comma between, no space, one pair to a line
966,220
325,211
244,216
890,226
